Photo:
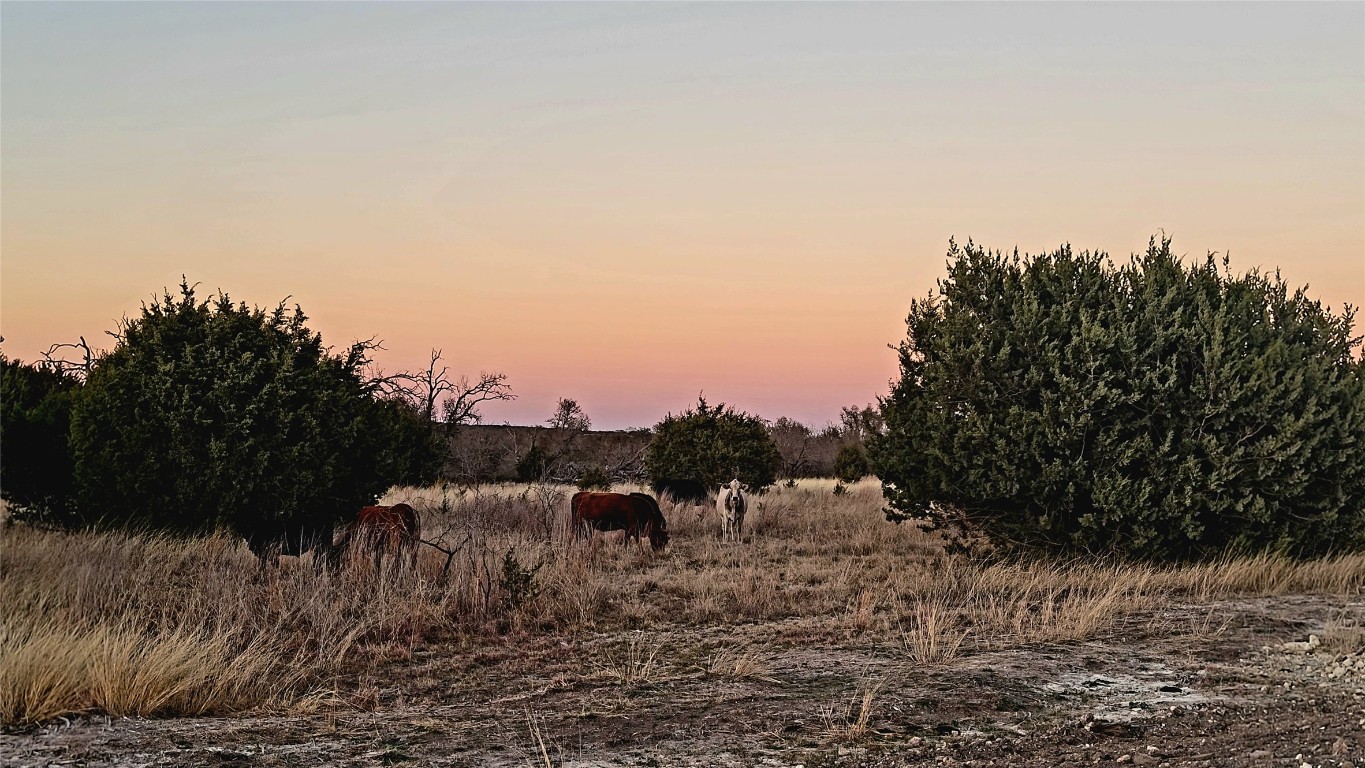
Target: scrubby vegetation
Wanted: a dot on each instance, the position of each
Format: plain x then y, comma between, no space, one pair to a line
1054,404
1152,409
137,623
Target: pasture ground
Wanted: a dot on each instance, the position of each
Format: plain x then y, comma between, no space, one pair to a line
799,647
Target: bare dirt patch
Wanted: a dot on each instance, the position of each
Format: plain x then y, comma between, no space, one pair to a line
1198,685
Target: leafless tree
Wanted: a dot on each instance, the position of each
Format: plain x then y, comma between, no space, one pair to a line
568,422
459,398
624,461
793,442
477,456
858,424
569,415
545,500
461,406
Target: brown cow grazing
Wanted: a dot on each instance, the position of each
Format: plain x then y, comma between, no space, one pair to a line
637,514
380,530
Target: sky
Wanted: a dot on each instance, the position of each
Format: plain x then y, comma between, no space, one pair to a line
633,204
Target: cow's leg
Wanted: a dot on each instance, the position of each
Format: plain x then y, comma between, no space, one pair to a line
333,556
267,557
339,546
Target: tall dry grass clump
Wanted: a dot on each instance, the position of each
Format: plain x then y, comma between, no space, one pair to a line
125,623
51,670
142,624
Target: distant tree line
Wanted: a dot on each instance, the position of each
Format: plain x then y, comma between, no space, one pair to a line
499,453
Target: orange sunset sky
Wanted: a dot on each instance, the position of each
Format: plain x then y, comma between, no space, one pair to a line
628,204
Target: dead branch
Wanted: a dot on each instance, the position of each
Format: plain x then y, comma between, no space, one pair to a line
56,359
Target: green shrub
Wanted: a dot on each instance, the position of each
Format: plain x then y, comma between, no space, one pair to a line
713,446
36,470
518,582
850,464
209,415
1151,409
531,466
594,479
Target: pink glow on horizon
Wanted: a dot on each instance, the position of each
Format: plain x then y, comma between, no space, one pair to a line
629,204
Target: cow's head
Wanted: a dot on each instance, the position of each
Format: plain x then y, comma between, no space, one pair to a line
658,538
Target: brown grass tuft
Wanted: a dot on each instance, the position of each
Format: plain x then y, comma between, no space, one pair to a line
741,662
852,723
636,664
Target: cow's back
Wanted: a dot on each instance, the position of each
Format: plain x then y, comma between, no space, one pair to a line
603,511
394,526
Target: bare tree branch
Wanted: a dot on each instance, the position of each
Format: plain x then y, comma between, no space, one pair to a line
56,359
461,406
423,389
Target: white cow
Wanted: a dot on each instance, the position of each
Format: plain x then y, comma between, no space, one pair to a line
730,505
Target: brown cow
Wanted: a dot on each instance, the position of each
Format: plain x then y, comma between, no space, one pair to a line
637,514
379,530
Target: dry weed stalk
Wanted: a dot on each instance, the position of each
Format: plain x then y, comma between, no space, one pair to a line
636,666
1343,634
537,730
849,726
862,611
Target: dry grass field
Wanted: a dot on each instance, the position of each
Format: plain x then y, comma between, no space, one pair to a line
828,635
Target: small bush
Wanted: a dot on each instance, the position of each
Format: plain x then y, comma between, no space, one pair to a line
518,582
713,445
850,465
594,479
531,466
